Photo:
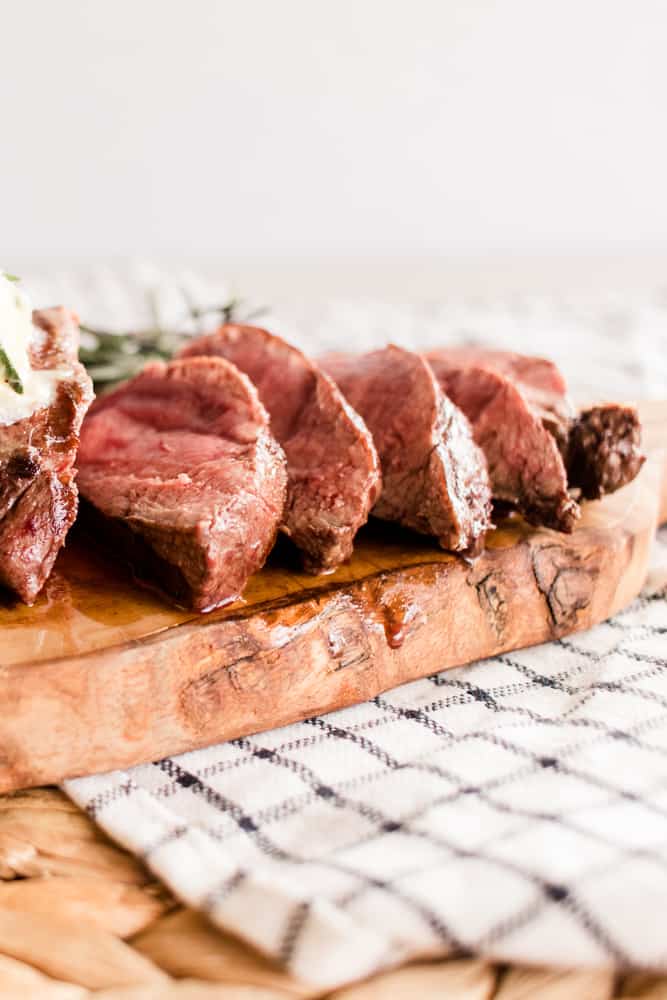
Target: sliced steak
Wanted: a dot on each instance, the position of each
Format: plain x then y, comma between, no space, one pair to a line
434,477
333,468
539,380
525,464
182,475
38,494
601,446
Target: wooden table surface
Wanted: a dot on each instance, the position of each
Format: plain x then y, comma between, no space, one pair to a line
79,918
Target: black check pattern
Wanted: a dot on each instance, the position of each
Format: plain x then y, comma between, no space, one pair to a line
515,808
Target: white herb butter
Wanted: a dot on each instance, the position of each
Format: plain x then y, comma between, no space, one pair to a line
24,390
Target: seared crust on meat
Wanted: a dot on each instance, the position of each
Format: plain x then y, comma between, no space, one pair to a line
525,463
604,451
434,476
38,493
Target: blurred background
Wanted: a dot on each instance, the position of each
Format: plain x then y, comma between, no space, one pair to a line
302,153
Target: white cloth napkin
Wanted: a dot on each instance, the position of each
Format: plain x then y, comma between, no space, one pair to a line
515,808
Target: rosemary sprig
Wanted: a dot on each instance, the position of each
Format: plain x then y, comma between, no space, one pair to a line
12,377
114,357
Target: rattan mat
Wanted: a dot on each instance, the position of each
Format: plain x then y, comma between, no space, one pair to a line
79,917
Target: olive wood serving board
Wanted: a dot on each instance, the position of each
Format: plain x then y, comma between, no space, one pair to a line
101,674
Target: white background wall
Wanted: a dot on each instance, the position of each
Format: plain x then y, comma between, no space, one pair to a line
304,127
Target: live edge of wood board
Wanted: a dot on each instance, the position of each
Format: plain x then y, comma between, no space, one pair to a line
100,674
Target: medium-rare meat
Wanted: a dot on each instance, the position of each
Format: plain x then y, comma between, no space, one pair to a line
183,477
333,468
539,380
525,464
434,477
601,446
38,493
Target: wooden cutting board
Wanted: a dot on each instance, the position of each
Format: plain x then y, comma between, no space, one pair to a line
100,674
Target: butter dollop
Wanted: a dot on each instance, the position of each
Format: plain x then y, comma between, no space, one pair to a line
16,333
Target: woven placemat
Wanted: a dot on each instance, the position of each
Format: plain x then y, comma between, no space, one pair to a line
79,917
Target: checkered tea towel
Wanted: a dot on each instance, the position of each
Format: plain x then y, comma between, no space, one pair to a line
515,808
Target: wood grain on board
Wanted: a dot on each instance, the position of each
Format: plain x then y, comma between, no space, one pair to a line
100,674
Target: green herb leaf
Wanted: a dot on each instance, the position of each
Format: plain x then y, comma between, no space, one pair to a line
10,277
11,375
113,357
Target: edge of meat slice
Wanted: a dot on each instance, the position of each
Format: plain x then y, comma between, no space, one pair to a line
525,464
601,445
604,449
332,466
181,473
38,491
538,378
434,476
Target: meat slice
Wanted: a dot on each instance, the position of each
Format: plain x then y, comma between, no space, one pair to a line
434,476
38,493
333,468
601,446
538,379
525,463
180,473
